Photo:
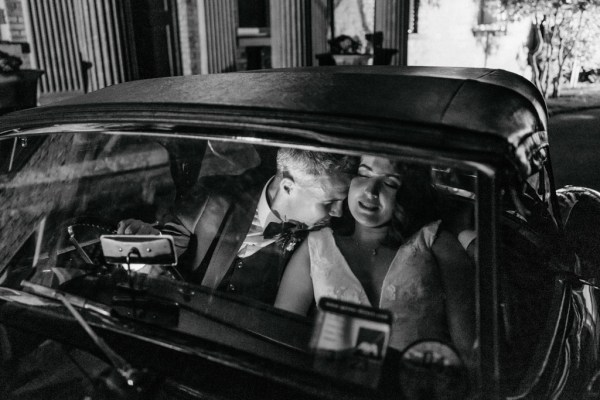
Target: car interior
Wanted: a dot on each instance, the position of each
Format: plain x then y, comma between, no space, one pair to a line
103,178
74,196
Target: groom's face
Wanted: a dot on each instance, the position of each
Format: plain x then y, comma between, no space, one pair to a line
314,202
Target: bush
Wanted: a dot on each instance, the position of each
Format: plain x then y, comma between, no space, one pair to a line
9,63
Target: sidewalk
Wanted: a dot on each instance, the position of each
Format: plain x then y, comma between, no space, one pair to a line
581,97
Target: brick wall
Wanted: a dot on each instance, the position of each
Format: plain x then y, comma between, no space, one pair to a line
14,11
187,13
16,23
184,46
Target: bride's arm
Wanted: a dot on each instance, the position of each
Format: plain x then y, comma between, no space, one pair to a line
296,291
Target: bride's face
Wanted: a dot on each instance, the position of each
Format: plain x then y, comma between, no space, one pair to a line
372,194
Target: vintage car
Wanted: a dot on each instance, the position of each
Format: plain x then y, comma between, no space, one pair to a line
79,318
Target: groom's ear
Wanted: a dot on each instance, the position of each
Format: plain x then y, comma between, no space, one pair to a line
287,185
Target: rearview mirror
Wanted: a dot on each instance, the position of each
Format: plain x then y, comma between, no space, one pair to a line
139,249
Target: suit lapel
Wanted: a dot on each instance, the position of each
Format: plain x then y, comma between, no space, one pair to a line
235,230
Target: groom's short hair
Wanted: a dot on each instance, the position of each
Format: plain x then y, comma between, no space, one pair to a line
306,164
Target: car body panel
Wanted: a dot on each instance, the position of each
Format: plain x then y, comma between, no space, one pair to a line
419,105
491,121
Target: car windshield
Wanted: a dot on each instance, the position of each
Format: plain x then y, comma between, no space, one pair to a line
253,239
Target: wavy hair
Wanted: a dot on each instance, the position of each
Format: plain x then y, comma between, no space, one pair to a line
417,203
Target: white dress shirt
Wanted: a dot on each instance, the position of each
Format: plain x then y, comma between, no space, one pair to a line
263,216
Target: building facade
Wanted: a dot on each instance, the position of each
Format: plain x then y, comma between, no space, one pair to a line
84,45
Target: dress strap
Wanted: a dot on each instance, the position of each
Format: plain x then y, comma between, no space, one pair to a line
430,232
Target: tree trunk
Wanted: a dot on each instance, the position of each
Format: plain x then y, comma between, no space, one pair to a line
556,87
536,48
560,60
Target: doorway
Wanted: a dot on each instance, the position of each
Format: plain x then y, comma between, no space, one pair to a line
156,38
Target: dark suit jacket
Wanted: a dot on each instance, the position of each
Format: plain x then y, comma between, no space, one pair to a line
214,218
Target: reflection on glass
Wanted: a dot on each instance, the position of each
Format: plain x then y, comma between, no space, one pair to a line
257,229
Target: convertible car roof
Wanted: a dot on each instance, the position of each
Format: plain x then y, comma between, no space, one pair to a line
485,109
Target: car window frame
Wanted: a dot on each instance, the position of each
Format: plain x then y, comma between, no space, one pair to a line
490,181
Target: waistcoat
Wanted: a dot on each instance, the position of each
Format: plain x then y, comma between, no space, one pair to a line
258,275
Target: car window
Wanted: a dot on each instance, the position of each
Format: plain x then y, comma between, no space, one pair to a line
14,153
264,230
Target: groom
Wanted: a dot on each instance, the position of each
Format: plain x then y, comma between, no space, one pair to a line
238,237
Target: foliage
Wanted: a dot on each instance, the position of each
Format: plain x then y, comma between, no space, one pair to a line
564,36
9,63
345,44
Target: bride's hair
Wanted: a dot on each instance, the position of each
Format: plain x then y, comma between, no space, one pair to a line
417,203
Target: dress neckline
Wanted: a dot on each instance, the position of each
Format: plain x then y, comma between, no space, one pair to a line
355,278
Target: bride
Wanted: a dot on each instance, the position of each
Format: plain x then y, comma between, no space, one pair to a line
397,256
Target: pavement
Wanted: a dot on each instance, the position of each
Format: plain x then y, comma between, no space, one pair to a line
574,132
584,96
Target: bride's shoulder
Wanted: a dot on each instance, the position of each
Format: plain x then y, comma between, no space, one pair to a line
427,234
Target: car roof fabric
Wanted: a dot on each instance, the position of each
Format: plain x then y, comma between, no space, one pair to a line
487,103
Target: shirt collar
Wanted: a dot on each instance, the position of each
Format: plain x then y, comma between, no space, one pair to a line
265,215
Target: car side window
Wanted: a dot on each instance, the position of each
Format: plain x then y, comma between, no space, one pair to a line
15,152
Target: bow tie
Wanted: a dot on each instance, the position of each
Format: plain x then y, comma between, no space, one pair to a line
277,228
